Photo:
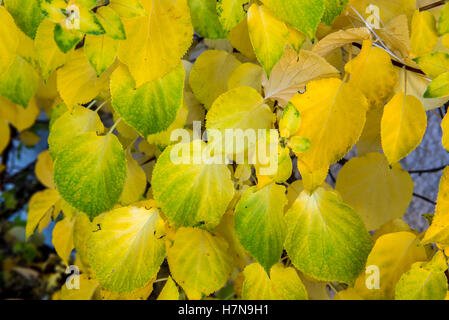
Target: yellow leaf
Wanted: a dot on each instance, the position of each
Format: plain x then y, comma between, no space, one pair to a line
396,225
82,230
339,39
312,179
21,118
40,205
403,125
295,38
29,138
209,76
239,38
139,294
226,229
268,36
128,249
438,231
393,254
329,106
373,73
185,259
62,238
396,36
9,39
370,140
388,9
240,108
283,284
101,51
424,34
377,192
136,181
77,81
48,53
88,289
445,128
156,41
5,134
424,281
293,72
170,291
44,169
246,74
416,85
70,125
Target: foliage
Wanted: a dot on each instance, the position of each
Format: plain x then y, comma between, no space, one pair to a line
117,79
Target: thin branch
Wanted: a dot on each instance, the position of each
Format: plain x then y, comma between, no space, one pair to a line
332,176
432,5
342,161
432,170
396,63
424,198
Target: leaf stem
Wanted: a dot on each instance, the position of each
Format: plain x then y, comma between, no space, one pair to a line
91,104
114,125
101,105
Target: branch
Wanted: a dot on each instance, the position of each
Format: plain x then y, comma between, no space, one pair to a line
396,63
424,198
432,5
427,170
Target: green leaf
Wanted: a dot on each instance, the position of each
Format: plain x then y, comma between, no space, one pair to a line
66,40
90,172
199,262
326,239
283,284
111,22
191,194
128,249
89,23
299,144
151,108
101,51
260,225
70,125
231,12
304,15
205,19
19,82
439,87
332,9
424,281
27,15
290,121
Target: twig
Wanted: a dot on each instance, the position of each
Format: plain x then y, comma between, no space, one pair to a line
424,198
332,176
432,170
432,5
